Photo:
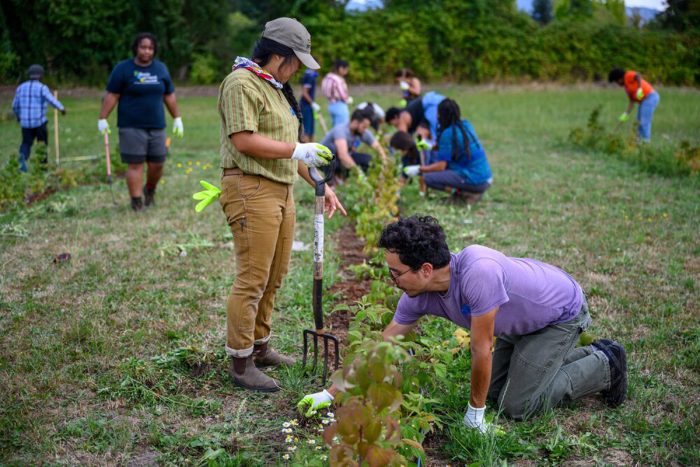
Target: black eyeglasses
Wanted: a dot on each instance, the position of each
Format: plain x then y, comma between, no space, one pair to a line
395,276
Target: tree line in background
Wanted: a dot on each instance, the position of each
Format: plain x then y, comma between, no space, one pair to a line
79,41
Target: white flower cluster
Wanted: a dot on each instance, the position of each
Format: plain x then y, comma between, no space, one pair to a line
292,441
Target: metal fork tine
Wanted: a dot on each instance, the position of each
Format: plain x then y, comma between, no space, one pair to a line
313,368
337,354
325,358
306,349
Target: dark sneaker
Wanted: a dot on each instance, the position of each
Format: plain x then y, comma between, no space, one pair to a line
149,197
23,164
617,359
244,374
137,204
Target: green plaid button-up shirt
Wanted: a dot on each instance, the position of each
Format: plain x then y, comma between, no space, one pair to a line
249,103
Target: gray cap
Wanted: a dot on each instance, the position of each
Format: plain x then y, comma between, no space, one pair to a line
293,34
35,71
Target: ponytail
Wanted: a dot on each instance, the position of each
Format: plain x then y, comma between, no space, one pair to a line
294,104
449,115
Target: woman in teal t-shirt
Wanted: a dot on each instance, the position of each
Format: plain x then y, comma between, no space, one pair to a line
459,163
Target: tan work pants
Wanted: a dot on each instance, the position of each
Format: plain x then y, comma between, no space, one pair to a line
261,214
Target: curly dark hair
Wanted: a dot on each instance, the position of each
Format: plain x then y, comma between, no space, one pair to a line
417,240
141,36
615,75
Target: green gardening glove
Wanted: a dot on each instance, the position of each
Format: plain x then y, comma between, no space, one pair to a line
312,403
423,145
207,196
640,93
624,117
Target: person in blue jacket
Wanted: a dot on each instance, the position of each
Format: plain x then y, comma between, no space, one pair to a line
29,106
460,165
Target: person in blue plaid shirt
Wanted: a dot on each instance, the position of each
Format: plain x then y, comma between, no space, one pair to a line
29,107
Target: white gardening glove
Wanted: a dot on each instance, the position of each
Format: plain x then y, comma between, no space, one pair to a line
312,154
404,85
474,418
316,107
640,93
315,402
350,100
411,170
178,129
103,126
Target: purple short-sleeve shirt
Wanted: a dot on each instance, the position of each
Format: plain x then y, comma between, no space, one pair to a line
531,295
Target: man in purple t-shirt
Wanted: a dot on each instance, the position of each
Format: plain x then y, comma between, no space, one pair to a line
536,312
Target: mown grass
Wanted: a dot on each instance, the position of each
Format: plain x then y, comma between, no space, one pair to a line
116,355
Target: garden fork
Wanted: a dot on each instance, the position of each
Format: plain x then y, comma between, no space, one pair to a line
319,334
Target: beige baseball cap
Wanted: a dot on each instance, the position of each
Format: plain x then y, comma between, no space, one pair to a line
293,34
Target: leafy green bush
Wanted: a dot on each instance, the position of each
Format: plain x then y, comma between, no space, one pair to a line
439,39
204,69
18,189
367,430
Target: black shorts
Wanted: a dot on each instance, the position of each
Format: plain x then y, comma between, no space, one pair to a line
139,145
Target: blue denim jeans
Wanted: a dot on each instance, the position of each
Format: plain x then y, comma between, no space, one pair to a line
307,115
538,371
645,114
339,113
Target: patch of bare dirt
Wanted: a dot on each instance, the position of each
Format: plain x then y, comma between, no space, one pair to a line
350,289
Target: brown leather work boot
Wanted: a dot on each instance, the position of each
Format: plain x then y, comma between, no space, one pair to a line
244,374
264,356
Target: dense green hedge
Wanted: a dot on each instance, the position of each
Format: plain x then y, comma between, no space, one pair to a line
476,41
454,43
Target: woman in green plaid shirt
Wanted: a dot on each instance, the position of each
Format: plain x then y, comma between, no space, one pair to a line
261,158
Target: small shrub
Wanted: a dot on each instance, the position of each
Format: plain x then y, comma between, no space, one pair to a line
205,69
662,160
19,189
367,429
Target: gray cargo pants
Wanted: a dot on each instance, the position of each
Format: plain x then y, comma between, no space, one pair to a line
537,371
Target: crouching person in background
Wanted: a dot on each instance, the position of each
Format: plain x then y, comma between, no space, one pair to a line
459,164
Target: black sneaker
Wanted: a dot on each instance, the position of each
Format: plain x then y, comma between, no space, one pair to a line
137,204
149,197
617,359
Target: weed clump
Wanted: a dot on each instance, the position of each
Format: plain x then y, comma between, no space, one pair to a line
666,160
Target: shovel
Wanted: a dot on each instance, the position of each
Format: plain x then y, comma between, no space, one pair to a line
319,335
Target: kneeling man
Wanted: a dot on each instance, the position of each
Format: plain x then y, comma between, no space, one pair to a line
535,310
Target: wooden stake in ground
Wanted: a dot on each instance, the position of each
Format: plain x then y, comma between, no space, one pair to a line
422,187
322,120
55,129
109,165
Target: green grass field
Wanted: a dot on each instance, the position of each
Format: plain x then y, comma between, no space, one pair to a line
116,356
